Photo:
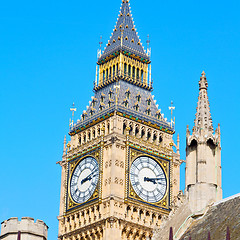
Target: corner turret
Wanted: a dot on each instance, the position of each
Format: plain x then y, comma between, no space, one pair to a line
203,156
25,229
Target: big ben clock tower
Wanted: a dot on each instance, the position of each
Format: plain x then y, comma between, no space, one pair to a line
120,174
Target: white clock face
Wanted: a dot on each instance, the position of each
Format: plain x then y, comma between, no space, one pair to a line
148,179
84,180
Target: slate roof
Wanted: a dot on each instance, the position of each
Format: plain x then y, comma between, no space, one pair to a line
221,215
124,36
100,104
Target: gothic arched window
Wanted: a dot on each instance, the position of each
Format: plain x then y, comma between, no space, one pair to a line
125,69
133,72
124,128
154,137
113,70
137,73
104,76
110,72
129,70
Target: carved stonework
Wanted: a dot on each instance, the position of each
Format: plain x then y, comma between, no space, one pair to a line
122,123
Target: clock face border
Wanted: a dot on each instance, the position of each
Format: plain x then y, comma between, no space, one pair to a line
131,196
86,172
140,184
96,196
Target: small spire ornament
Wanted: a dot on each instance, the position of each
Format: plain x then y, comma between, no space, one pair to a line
172,119
72,109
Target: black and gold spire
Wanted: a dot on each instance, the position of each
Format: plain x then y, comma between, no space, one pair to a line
124,57
123,82
124,38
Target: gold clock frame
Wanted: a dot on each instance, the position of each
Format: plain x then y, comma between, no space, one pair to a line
71,205
130,195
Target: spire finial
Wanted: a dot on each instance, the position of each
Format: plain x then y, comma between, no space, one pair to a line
100,43
148,41
203,120
100,47
148,46
72,109
172,108
203,84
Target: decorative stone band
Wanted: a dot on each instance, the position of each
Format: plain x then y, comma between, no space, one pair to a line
120,75
126,51
121,111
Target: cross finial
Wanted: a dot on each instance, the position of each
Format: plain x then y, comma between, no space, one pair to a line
72,109
100,43
99,53
172,108
148,41
148,48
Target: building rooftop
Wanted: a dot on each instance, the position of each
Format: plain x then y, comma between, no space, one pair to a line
223,214
128,99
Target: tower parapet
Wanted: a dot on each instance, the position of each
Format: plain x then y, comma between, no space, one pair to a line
27,227
203,156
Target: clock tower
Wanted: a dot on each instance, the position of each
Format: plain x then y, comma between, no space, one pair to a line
120,174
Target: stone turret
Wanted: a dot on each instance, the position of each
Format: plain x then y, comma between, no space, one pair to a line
203,156
26,228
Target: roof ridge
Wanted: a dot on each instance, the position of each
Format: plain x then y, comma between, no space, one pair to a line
226,199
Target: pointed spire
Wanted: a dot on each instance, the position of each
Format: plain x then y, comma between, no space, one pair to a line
124,36
203,120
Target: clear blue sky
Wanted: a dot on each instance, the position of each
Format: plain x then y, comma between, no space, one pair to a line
47,60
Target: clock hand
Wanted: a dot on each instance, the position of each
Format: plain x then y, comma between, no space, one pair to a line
89,177
153,180
146,179
85,179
